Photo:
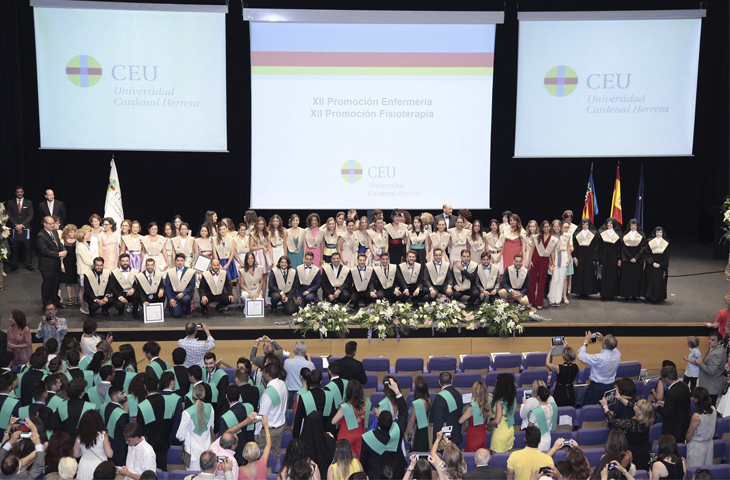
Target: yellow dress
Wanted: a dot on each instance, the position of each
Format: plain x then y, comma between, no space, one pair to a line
503,436
354,468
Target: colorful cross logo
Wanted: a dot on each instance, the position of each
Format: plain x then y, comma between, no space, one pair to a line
351,171
560,81
112,185
83,71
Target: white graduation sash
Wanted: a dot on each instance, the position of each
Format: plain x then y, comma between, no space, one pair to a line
216,283
99,288
459,277
396,234
410,278
305,278
477,245
311,241
331,238
127,283
252,281
663,244
284,287
565,241
362,283
156,280
350,242
495,244
224,248
276,239
440,241
336,281
242,246
516,280
458,240
133,244
417,238
180,285
362,237
633,243
540,247
585,241
390,280
437,279
155,248
183,246
489,282
573,228
379,239
291,242
609,236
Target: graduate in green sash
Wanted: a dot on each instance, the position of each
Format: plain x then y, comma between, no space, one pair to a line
314,399
39,400
447,408
75,371
504,404
156,415
382,446
352,417
418,421
236,413
217,378
156,365
195,376
71,410
477,412
182,379
53,385
9,406
545,417
28,378
195,431
337,386
116,418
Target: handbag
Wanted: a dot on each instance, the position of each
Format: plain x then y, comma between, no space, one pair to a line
186,457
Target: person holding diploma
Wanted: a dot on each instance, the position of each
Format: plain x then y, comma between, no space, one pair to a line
488,274
179,287
410,278
465,278
252,279
150,286
283,286
215,286
336,283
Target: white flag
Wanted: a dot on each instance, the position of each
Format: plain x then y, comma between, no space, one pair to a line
113,205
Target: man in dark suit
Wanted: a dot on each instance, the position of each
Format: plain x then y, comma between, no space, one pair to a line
382,440
20,214
182,378
120,374
52,207
195,375
122,283
116,418
180,287
386,280
156,365
156,420
515,282
336,281
70,411
30,377
215,286
446,216
309,280
675,407
96,289
483,471
438,278
351,369
52,254
447,408
410,279
236,412
149,286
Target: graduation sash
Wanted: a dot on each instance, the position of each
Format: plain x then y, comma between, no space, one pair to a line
24,412
157,368
477,245
417,239
193,412
609,236
509,413
217,375
663,244
440,241
171,402
389,281
252,281
516,280
540,247
350,242
584,241
379,447
632,243
216,283
449,398
84,362
88,376
458,240
63,411
183,246
133,244
94,397
566,240
284,287
351,417
409,277
231,419
336,394
54,402
396,234
476,414
99,288
336,281
309,405
542,420
154,249
7,409
180,285
224,248
111,424
243,246
273,395
145,283
127,283
361,284
306,277
380,240
440,278
488,282
461,280
384,405
495,243
312,241
292,244
419,406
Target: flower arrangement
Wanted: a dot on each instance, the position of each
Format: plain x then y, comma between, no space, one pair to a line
4,234
442,314
501,318
323,317
726,218
377,318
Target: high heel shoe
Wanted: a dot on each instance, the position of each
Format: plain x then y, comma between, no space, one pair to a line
76,301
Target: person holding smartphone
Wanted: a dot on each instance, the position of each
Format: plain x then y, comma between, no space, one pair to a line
567,373
603,365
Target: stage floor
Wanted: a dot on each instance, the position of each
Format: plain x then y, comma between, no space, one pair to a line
696,287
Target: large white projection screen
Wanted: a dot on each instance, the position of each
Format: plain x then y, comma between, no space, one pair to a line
116,76
391,112
594,84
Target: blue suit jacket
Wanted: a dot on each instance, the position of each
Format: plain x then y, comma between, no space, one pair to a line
312,287
168,285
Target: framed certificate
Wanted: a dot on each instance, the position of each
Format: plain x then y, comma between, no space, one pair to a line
254,308
154,312
202,263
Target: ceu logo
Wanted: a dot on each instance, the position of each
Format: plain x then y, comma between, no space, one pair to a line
560,81
83,71
351,171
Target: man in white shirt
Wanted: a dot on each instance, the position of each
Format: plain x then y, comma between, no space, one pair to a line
273,405
195,348
603,366
140,454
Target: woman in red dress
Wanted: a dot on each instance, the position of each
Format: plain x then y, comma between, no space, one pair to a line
477,414
351,417
512,241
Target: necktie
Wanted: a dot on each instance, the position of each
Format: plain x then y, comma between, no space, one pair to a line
438,268
307,268
53,238
215,274
149,277
517,271
98,279
385,271
20,202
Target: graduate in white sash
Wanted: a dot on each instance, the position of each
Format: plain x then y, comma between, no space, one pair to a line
283,286
121,283
96,289
386,284
465,278
410,279
515,282
252,278
179,287
488,275
336,281
310,279
150,285
438,278
215,286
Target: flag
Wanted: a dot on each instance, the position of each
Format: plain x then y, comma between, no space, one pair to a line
639,213
590,206
113,204
616,199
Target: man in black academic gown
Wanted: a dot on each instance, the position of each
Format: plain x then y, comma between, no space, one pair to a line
438,278
249,393
337,386
39,394
309,279
283,285
71,410
447,408
465,278
215,286
386,280
218,380
168,388
410,279
382,447
116,418
363,283
195,374
350,368
235,414
120,374
7,383
28,378
53,384
96,289
121,283
336,281
314,399
156,365
149,286
74,372
156,425
182,378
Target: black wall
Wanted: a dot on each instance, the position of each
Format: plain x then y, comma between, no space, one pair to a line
682,194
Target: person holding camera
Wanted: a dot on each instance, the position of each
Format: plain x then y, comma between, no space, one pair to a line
210,463
52,326
10,464
603,365
521,463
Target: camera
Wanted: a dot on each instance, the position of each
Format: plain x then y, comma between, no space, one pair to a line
593,338
21,421
386,382
199,325
222,459
567,443
611,466
558,341
528,393
257,418
447,432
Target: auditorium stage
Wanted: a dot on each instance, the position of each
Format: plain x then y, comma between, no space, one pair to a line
696,287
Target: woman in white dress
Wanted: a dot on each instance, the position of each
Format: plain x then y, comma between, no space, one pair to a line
563,257
476,241
377,241
84,262
252,278
348,245
92,444
154,246
438,239
459,235
495,243
277,237
96,229
196,425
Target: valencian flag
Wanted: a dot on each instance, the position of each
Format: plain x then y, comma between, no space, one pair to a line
639,212
590,207
616,199
113,204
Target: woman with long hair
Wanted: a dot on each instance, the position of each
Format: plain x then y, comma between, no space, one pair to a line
633,252
255,467
210,220
578,464
377,240
225,249
296,452
176,221
167,232
636,428
59,446
609,257
314,238
542,259
203,244
567,372
136,393
331,236
616,444
389,403
532,230
585,241
92,444
132,245
514,241
416,239
344,462
494,243
69,275
453,466
563,259
252,278
459,235
196,425
352,416
669,464
109,243
544,416
478,411
129,356
363,238
657,266
348,244
476,240
701,431
84,262
183,243
418,421
504,404
277,237
438,239
96,229
397,233
421,469
20,340
154,246
295,241
242,243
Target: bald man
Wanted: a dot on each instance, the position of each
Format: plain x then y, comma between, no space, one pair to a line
52,254
51,207
446,216
483,471
215,286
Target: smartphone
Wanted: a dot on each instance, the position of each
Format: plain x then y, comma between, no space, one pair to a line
386,382
21,421
558,341
611,466
528,393
593,338
118,468
447,431
257,418
546,470
222,459
422,456
25,435
199,325
567,443
610,397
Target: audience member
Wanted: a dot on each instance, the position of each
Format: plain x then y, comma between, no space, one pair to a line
567,373
194,348
504,404
381,447
668,464
636,429
351,369
226,446
59,447
711,367
92,444
256,460
273,405
521,463
701,430
452,465
237,412
344,463
483,471
447,409
674,409
270,348
616,444
106,471
296,452
209,465
140,454
544,416
293,366
603,366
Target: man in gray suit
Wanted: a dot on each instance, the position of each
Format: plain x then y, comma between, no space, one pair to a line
712,367
483,471
10,464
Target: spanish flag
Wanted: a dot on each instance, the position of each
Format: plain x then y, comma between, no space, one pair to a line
616,199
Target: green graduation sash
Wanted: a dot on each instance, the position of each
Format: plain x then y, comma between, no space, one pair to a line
7,410
384,405
219,373
63,410
274,396
133,404
128,380
509,413
131,369
337,395
113,419
379,447
193,412
351,417
84,362
157,368
94,397
54,402
542,420
231,419
17,391
148,412
24,412
171,402
476,414
310,406
450,400
421,416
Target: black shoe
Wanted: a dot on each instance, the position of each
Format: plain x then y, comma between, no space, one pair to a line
91,314
135,315
60,305
30,268
105,313
120,313
189,314
205,312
